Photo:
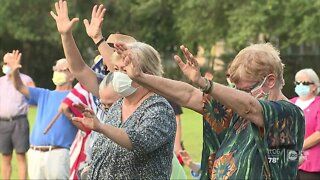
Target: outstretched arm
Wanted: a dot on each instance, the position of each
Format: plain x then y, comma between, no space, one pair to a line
177,91
186,95
15,65
118,135
240,102
78,67
67,112
94,30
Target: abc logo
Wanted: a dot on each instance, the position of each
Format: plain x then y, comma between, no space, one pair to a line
292,155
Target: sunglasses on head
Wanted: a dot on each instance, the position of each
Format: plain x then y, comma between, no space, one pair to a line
306,83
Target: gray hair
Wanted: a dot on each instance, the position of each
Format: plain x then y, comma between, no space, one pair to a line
148,58
312,75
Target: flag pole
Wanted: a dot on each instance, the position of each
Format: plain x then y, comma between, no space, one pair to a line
55,118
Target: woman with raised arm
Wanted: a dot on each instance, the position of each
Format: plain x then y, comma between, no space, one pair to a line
136,137
251,131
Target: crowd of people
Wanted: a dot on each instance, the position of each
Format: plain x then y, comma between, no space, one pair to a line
122,119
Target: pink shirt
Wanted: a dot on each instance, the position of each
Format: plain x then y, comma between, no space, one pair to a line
12,102
312,155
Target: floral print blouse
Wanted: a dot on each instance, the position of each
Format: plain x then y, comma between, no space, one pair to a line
230,148
151,129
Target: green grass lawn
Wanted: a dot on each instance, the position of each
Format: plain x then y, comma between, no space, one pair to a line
191,136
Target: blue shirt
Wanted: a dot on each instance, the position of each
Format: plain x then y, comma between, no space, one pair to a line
62,132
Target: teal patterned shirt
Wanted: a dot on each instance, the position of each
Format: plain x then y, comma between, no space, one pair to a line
232,147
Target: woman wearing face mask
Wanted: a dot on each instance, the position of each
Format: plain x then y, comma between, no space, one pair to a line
251,131
307,89
136,138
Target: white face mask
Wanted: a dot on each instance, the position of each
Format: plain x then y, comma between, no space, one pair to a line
121,84
6,69
258,92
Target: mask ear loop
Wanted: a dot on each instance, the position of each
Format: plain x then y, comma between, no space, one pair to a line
258,87
230,84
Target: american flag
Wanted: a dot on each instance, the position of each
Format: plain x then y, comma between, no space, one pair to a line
79,94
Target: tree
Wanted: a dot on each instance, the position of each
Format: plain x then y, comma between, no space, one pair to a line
165,24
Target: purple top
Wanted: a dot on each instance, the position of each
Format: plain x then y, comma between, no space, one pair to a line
12,102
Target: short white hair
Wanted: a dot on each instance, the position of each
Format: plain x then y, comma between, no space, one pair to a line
312,75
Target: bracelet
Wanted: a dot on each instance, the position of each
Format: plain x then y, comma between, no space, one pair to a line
208,86
101,40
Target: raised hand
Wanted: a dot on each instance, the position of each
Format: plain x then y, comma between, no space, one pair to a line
89,120
80,107
132,66
13,59
191,68
93,27
64,24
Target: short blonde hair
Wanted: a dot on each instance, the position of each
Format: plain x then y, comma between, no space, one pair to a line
255,62
148,58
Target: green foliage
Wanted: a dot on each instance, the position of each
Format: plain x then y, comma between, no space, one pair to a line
165,24
293,64
201,22
158,16
191,127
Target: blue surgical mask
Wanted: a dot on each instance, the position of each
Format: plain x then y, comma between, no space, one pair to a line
302,90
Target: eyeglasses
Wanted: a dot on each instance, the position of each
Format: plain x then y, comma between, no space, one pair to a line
306,83
248,90
111,45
